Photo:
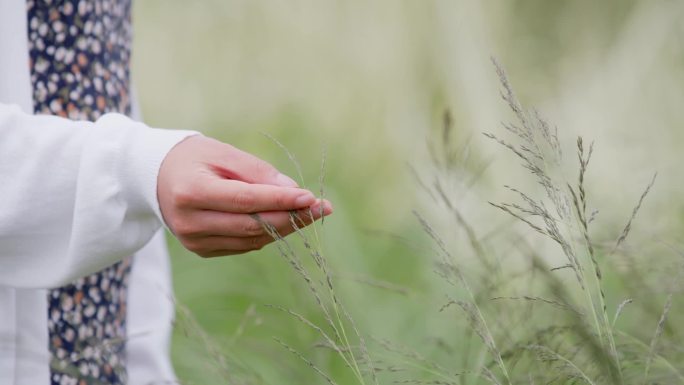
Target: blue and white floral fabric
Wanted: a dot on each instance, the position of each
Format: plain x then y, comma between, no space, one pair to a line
79,60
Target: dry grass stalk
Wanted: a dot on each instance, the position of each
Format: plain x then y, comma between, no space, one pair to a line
334,313
291,256
563,216
552,302
564,365
580,347
540,152
628,226
307,361
337,305
229,367
656,337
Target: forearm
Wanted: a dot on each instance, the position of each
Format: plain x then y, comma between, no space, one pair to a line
75,196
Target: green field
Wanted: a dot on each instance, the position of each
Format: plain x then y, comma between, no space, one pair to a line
365,86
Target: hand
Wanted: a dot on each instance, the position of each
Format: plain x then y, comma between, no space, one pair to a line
208,189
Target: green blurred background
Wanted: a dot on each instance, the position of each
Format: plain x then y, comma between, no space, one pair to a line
366,82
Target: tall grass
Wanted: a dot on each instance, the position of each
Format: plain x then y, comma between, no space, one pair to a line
535,322
570,337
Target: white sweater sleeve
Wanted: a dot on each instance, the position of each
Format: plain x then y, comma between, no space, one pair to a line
75,197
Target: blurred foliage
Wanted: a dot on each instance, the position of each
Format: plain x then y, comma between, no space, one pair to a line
366,83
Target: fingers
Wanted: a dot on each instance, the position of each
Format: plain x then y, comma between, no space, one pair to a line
207,191
228,234
240,165
215,223
239,197
284,224
218,246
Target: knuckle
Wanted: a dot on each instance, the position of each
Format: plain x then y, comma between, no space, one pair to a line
252,227
176,224
259,244
253,243
184,196
184,228
282,200
244,201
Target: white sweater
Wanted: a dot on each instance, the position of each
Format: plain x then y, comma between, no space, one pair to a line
75,197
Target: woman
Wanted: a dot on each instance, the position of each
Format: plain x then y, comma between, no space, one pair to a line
84,275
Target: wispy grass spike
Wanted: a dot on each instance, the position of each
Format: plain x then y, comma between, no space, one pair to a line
289,154
628,227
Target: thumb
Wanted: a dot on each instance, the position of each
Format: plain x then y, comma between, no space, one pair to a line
240,165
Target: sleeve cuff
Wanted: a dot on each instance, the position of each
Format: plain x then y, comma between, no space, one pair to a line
143,155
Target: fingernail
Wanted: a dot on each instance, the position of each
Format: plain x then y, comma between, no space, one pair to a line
327,208
305,200
314,208
285,181
321,207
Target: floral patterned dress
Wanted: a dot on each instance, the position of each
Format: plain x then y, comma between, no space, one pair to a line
80,54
